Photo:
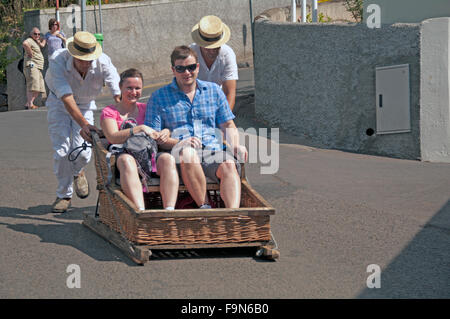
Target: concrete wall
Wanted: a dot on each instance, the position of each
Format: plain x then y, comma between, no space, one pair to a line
409,11
15,86
318,80
435,90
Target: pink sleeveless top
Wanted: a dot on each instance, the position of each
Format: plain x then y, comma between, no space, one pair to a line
110,111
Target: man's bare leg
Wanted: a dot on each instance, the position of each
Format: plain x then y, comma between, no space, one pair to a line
230,184
192,175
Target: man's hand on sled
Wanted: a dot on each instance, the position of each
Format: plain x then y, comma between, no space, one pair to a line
74,111
86,132
241,153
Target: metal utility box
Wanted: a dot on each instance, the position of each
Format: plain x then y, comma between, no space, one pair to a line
392,99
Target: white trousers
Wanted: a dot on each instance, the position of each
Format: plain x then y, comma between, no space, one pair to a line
65,136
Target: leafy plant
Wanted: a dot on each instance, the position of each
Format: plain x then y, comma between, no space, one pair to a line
11,32
355,7
321,18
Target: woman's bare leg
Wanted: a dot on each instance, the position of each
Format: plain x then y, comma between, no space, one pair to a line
129,180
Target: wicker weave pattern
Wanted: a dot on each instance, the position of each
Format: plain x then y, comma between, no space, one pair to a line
107,206
203,230
182,230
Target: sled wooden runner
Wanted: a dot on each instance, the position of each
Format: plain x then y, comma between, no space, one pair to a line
138,233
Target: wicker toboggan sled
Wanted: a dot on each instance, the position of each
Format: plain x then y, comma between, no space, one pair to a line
138,233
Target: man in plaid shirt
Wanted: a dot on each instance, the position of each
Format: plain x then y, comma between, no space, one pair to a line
197,113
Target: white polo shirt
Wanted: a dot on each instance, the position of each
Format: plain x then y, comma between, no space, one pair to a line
62,78
224,67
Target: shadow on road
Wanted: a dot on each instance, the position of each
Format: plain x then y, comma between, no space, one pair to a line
424,260
62,229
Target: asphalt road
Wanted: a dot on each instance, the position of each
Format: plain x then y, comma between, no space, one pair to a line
336,214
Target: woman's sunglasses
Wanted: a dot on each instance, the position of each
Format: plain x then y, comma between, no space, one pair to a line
182,69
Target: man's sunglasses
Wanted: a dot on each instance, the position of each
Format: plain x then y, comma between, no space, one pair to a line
36,33
182,69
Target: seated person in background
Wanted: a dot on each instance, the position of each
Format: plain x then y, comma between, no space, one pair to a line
192,110
111,120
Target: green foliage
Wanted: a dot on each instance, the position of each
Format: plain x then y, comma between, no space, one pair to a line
321,18
355,7
11,31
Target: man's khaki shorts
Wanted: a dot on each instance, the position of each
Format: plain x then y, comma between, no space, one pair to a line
34,79
210,162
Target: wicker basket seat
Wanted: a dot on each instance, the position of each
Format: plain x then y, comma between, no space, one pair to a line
248,224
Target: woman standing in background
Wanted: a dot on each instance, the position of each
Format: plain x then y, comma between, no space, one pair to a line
55,38
33,66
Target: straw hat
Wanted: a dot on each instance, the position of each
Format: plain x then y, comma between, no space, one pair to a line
84,46
210,32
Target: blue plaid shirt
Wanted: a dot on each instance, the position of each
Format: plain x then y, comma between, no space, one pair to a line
171,108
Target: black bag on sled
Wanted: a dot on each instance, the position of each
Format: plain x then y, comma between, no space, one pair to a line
142,147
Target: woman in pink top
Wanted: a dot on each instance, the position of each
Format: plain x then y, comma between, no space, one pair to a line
111,119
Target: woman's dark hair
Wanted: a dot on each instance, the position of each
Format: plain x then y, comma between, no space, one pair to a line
182,52
51,22
130,73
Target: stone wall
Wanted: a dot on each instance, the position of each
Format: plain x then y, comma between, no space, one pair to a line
435,90
318,81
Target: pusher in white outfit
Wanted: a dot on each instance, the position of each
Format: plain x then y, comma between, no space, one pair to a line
75,78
